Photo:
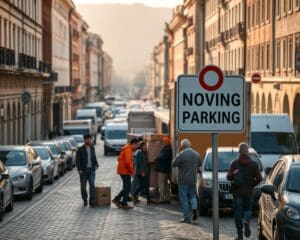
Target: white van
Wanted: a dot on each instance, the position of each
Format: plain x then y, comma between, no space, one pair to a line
75,127
99,107
272,135
115,137
83,114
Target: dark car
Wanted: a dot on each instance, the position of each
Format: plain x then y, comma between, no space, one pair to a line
6,191
279,213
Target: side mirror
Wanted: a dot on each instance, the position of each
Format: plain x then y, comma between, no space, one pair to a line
268,170
4,176
269,189
35,162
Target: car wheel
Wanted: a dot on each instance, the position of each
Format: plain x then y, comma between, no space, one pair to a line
41,186
10,206
260,235
1,208
30,190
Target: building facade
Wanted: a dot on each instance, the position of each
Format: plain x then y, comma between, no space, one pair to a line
22,71
61,62
108,72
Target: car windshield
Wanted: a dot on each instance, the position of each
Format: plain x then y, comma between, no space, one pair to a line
293,178
98,110
78,139
86,117
67,146
53,148
225,158
81,131
273,143
42,152
13,158
116,134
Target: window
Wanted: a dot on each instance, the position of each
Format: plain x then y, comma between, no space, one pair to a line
290,52
257,57
278,8
268,9
262,53
284,7
278,55
257,4
290,6
268,56
284,50
262,11
279,177
253,15
297,4
5,33
1,34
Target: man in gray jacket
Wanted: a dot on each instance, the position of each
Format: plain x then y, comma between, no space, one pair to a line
188,162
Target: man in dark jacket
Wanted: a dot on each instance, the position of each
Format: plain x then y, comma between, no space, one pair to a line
163,167
86,162
245,175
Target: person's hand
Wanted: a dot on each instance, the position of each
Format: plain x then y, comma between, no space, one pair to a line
96,167
80,172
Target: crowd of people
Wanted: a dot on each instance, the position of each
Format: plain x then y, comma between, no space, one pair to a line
133,168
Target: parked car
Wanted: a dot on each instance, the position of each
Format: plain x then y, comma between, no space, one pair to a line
204,180
6,191
25,168
66,150
79,140
56,151
49,163
279,205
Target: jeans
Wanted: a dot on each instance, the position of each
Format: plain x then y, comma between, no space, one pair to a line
242,207
143,186
187,196
135,185
90,177
164,191
124,193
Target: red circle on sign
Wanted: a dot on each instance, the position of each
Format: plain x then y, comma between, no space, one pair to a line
213,69
256,78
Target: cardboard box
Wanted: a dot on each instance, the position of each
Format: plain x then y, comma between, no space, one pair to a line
103,197
153,176
154,148
155,136
130,136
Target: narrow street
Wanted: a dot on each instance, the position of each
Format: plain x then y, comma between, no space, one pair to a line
58,213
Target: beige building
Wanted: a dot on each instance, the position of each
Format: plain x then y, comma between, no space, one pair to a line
108,72
273,47
22,71
62,101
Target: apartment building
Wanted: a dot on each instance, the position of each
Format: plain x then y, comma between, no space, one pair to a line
22,71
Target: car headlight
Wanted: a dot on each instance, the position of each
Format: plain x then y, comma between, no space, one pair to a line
292,213
20,177
206,183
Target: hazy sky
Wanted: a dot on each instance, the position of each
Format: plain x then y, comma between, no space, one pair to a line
153,3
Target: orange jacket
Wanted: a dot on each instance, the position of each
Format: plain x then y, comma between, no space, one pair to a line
125,161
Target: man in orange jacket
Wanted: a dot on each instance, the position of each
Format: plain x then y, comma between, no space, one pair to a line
125,170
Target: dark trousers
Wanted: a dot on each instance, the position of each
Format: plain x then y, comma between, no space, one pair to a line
124,193
242,210
90,177
143,186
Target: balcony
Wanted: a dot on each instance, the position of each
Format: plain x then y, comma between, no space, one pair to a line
44,67
26,61
63,89
7,56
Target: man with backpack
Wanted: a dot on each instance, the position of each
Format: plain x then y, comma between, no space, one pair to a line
125,170
245,175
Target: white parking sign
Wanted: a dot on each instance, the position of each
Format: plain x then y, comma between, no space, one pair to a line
210,102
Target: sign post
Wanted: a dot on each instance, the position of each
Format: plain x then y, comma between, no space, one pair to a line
213,103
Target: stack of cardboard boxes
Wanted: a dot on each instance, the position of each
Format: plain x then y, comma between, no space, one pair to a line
155,144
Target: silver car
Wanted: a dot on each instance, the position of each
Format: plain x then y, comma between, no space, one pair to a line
25,168
49,163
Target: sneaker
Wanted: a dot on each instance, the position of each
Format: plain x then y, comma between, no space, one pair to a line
126,207
195,215
247,229
114,201
92,205
182,220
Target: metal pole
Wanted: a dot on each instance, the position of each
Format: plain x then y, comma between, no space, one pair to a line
215,165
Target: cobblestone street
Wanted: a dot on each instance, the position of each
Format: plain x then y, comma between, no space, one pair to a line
59,214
